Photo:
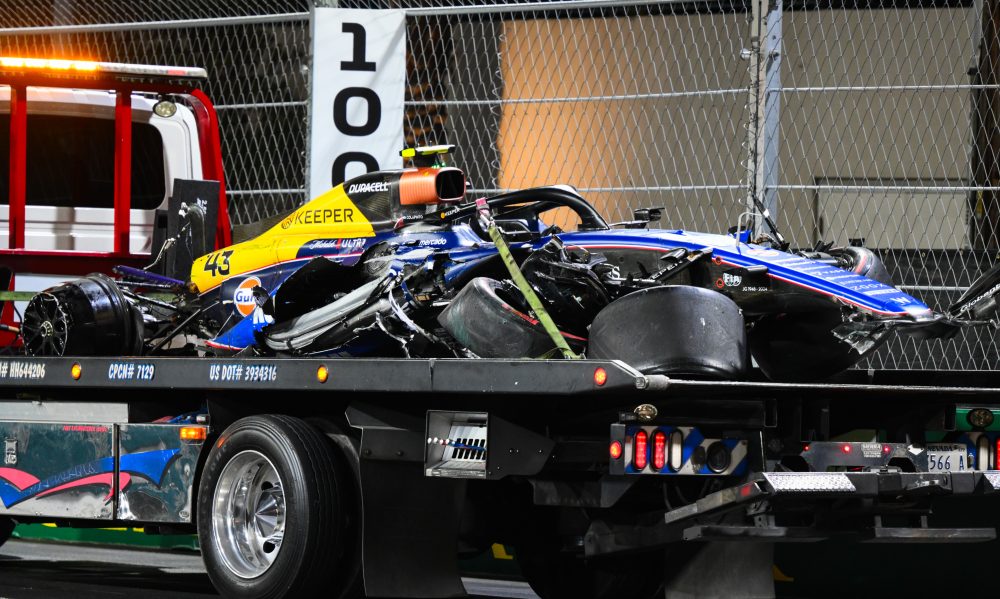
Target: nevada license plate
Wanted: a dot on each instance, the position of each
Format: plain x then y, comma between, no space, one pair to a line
947,457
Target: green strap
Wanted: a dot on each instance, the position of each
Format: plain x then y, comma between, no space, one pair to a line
24,296
529,294
16,296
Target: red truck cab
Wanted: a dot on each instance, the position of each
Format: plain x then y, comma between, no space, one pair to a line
80,180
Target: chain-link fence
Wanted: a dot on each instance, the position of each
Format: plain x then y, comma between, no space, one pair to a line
635,104
886,117
256,53
864,119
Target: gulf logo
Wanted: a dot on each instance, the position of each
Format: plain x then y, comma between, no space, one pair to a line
243,296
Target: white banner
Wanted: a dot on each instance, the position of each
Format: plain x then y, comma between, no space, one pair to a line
358,79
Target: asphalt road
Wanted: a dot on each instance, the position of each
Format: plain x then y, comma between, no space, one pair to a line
52,571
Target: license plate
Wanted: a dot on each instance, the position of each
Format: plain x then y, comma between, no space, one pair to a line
947,457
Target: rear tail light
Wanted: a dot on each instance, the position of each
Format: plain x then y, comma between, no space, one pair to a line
676,450
983,453
640,450
659,450
995,454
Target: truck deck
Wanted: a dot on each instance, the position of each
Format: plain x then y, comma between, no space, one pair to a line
471,376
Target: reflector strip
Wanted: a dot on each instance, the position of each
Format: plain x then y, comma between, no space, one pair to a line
983,453
676,450
809,482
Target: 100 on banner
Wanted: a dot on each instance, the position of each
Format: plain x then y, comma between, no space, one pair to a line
358,83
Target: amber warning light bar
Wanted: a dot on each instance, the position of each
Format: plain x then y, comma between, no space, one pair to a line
59,68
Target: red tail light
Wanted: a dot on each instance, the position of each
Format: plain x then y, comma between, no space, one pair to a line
640,450
659,450
996,453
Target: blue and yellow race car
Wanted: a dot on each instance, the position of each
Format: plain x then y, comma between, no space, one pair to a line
399,263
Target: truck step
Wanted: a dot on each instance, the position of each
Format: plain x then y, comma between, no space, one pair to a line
755,534
881,534
823,485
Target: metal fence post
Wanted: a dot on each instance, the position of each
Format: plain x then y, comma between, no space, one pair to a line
764,106
771,81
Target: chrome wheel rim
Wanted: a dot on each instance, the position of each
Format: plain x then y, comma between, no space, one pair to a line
248,521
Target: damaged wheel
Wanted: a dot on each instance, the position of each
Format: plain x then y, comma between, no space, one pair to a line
673,329
490,319
86,317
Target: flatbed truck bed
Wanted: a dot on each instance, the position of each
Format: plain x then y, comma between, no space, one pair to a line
583,460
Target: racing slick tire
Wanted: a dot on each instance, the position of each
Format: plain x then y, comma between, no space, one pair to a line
271,516
674,329
488,318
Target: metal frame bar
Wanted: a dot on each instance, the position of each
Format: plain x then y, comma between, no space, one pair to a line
211,161
572,99
534,7
18,164
123,170
148,25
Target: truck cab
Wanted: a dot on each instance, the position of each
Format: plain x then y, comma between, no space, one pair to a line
89,152
69,201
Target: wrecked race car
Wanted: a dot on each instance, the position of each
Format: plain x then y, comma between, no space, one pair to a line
398,263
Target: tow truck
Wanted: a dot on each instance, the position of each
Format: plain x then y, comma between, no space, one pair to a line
356,476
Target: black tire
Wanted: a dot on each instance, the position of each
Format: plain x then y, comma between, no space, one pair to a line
488,317
673,329
86,317
866,263
305,562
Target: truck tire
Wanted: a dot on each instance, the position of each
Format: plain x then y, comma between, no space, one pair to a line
674,329
270,511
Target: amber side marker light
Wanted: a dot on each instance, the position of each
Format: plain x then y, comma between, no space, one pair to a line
193,433
615,450
600,377
76,371
322,373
